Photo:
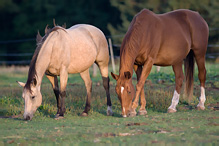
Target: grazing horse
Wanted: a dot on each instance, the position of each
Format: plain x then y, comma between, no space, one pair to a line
163,40
61,52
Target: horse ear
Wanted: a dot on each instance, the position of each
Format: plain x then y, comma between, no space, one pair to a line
127,75
21,83
64,25
46,29
39,37
54,22
116,77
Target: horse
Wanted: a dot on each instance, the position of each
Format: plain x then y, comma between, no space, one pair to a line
61,52
164,40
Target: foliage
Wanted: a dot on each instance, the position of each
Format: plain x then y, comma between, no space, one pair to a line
20,19
208,9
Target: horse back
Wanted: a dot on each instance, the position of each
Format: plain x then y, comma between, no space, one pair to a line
88,43
167,37
182,31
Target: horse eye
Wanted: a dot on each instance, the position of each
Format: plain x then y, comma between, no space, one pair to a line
33,97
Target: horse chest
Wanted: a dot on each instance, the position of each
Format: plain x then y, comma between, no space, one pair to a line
140,60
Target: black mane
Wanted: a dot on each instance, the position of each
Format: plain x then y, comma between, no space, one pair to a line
32,70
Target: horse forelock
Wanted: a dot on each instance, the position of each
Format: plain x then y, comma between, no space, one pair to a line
32,69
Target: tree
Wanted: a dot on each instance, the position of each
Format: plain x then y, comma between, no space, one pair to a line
20,19
208,9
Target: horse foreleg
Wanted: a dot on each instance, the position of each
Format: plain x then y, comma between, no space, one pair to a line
54,81
88,84
142,110
145,72
179,80
63,84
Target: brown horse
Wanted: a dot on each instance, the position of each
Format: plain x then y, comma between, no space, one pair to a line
164,40
59,53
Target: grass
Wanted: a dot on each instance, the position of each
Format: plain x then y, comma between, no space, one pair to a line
187,126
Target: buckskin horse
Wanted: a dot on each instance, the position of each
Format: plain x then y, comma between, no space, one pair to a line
59,53
164,40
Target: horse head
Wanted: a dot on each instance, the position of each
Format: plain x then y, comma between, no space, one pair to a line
125,91
32,98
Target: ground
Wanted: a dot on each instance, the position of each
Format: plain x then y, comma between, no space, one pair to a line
187,126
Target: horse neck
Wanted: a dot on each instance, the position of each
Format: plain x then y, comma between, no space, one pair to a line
43,59
127,60
129,49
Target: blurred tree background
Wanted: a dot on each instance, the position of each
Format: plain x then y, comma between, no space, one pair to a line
21,19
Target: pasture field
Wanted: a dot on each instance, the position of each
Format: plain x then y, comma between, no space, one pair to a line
187,126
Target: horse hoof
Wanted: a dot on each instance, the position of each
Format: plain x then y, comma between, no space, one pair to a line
58,117
132,114
109,113
142,112
200,108
83,114
170,110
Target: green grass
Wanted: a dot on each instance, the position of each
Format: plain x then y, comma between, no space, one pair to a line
187,126
192,127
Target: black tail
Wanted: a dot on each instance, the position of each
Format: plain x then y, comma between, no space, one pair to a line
189,71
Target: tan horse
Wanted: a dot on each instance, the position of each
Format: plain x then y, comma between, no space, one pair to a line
59,53
163,40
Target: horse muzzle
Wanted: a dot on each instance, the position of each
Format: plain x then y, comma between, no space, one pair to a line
124,116
28,116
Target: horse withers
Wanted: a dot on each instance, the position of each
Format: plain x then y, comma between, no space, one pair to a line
163,40
61,52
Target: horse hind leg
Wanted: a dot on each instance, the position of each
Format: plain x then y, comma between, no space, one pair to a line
179,80
200,60
88,84
104,73
54,81
63,84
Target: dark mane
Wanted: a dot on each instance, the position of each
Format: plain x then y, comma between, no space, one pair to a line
32,70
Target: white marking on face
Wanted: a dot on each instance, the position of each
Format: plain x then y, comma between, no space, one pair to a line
122,89
124,116
123,109
124,112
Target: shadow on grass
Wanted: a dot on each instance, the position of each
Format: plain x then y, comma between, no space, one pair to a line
14,117
115,114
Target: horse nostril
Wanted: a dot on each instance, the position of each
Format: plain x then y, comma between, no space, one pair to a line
28,118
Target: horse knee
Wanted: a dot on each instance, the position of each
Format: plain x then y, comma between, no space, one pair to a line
88,86
181,81
106,82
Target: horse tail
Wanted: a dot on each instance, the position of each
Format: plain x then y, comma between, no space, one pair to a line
189,71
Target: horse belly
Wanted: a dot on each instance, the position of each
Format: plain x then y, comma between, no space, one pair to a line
171,55
175,47
82,61
80,67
